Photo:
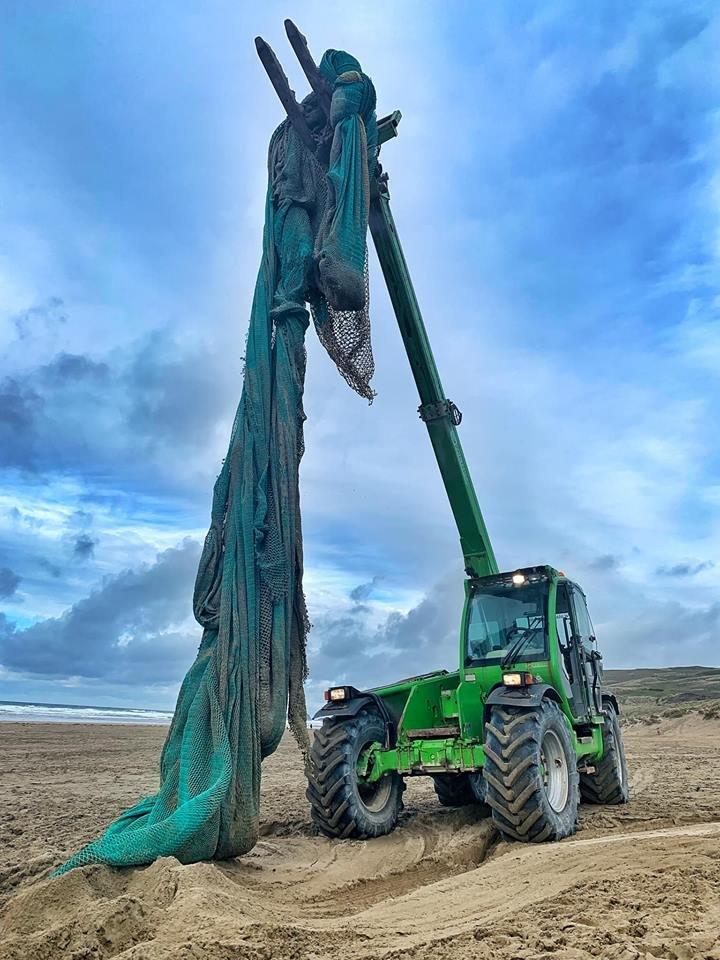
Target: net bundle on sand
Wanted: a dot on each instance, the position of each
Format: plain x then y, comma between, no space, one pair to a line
247,679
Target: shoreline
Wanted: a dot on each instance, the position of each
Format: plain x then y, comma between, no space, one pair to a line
60,722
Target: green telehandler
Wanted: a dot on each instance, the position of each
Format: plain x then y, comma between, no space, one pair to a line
524,727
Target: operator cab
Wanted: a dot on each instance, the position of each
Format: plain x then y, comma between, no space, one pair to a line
507,617
508,623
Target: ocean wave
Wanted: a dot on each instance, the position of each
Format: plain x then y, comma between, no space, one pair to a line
78,713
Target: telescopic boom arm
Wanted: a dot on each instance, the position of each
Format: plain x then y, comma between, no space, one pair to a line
440,415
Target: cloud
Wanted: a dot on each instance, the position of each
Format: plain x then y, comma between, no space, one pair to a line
84,547
67,368
685,569
139,413
20,407
607,561
38,320
363,591
134,627
566,263
9,582
654,635
359,647
82,543
52,568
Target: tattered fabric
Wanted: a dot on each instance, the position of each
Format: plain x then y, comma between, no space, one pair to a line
247,680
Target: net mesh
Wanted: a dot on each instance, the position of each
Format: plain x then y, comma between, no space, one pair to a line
247,680
345,334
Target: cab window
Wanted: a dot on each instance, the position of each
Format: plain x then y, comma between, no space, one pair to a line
582,618
504,617
563,616
564,624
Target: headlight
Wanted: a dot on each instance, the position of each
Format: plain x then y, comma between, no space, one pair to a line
518,679
518,579
336,693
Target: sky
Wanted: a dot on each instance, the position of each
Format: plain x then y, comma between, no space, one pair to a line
556,187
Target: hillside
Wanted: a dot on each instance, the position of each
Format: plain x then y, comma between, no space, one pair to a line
665,692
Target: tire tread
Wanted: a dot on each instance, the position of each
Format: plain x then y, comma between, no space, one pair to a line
335,806
512,771
605,786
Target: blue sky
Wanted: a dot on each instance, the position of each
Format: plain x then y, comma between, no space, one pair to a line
556,187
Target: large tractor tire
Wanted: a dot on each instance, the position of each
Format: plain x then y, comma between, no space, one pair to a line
461,789
609,782
531,773
341,805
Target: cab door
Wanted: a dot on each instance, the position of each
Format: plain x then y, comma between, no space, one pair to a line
571,659
588,655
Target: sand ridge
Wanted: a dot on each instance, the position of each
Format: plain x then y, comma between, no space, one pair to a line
636,882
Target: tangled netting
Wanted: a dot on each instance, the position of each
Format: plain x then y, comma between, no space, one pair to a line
247,679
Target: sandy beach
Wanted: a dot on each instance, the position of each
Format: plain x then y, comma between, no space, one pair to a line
635,883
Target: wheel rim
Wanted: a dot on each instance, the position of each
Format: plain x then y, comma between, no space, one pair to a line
553,763
374,795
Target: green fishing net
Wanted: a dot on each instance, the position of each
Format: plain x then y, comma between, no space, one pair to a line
246,683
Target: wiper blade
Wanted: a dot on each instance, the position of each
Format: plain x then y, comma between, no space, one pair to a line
516,647
527,633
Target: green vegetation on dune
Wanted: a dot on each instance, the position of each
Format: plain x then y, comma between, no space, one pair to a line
654,693
698,683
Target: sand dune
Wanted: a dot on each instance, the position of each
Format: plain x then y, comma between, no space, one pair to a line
636,882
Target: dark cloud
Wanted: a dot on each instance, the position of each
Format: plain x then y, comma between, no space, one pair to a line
131,629
685,569
21,408
73,368
607,561
80,519
52,568
178,394
82,544
654,636
38,319
84,547
363,591
354,649
423,627
139,415
9,582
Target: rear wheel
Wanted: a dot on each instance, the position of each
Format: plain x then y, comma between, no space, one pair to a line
531,773
461,789
342,804
609,782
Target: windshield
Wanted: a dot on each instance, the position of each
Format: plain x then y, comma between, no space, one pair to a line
503,618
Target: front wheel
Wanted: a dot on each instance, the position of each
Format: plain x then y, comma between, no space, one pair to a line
342,805
531,773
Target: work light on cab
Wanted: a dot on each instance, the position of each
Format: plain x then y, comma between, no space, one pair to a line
518,679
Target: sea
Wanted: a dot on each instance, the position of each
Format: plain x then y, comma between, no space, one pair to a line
17,710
